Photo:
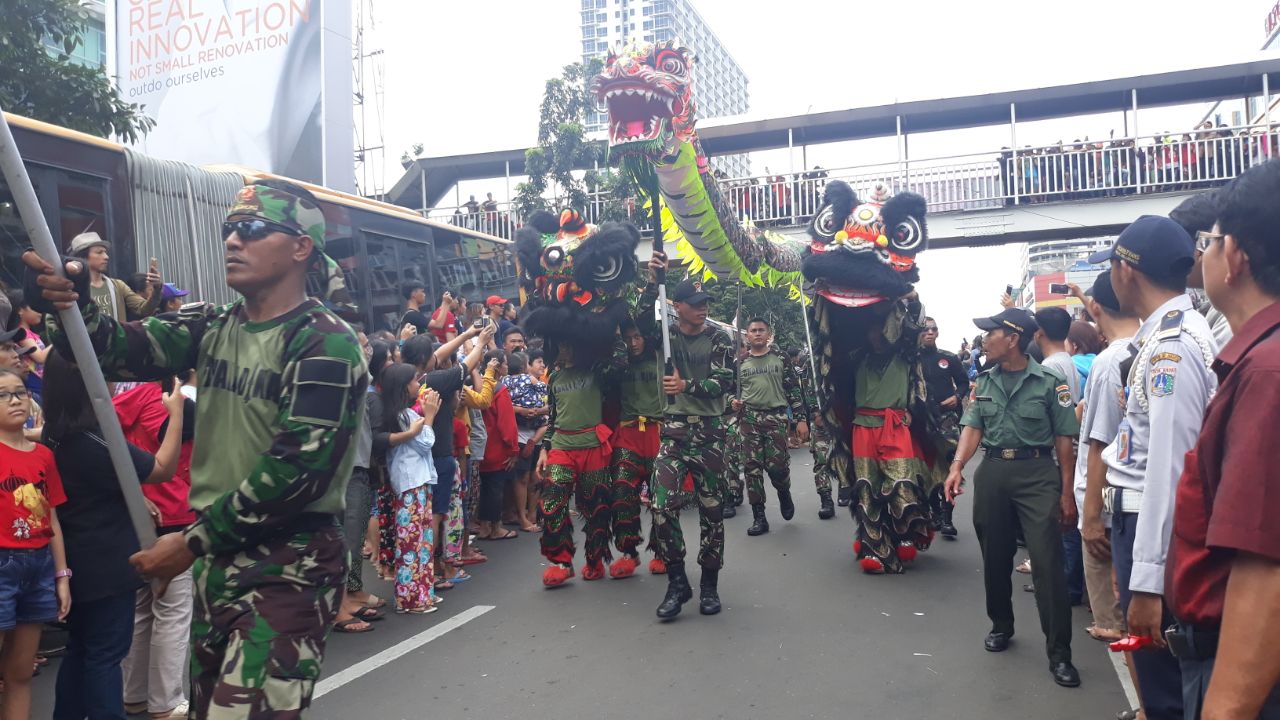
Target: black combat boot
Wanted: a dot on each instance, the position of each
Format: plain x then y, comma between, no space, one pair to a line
678,591
761,524
828,508
709,601
947,529
727,510
845,496
785,504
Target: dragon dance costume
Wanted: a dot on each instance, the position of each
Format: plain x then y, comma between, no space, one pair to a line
859,263
635,447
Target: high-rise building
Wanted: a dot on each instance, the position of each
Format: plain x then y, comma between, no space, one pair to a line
92,50
1058,261
720,86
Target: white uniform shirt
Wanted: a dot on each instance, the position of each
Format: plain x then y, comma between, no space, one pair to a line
1103,411
1169,386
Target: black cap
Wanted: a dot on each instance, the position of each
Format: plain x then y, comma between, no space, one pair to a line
10,335
690,292
1155,245
1015,319
1103,293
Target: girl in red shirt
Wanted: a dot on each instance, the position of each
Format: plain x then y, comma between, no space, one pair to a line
34,584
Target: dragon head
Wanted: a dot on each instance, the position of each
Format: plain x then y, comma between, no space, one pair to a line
581,278
864,252
647,90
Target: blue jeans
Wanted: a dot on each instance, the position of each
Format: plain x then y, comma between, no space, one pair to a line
1073,560
442,491
1159,677
90,682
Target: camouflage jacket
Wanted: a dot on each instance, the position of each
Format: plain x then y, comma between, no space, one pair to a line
279,406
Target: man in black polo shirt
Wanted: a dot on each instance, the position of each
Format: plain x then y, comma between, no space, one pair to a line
948,384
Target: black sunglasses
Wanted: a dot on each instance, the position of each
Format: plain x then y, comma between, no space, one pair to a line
255,229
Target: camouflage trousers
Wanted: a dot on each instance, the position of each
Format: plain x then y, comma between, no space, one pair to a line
587,472
820,444
698,449
259,627
764,450
734,476
635,446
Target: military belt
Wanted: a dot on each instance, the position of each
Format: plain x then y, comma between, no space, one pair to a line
1023,453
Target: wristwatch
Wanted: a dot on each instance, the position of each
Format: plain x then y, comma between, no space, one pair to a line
62,574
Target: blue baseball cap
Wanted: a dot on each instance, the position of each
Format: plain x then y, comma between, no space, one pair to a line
171,291
1155,245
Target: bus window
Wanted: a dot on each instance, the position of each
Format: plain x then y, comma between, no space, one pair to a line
13,238
82,208
382,276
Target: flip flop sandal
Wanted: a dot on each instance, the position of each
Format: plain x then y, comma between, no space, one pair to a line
444,585
476,560
417,611
345,626
368,614
460,577
532,528
506,535
378,605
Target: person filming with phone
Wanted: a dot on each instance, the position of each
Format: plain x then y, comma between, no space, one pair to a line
113,295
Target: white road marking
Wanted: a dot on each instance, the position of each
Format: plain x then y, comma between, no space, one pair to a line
368,665
1126,682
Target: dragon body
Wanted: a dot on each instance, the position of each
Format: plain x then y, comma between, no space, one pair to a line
858,264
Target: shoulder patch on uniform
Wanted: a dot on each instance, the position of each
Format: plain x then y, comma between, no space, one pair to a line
1170,325
1064,396
320,388
1170,356
1162,380
944,363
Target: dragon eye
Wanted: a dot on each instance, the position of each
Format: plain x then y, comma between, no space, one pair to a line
553,257
906,235
671,63
608,270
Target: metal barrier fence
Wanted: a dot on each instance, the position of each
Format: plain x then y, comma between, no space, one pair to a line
1053,173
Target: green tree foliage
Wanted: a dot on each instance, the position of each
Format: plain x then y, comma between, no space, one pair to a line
771,303
35,83
562,147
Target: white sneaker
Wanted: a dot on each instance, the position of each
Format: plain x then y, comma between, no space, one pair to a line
179,713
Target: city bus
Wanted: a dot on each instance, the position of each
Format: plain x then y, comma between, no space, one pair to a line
173,212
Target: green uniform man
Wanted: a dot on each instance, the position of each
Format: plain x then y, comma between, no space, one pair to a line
820,443
769,387
692,444
1020,414
281,385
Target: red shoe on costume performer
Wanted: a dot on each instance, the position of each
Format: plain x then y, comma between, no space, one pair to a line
556,575
870,565
593,571
623,567
657,567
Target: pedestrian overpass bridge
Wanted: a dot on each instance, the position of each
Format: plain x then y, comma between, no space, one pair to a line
1076,190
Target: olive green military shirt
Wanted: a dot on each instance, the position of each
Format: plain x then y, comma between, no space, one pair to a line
1037,410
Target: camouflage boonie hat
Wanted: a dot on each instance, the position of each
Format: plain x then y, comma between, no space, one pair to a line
283,208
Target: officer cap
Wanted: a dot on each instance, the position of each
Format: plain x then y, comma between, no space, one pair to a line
1155,245
1013,319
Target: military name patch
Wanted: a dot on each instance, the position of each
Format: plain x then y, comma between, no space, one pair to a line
1064,396
1171,357
1162,379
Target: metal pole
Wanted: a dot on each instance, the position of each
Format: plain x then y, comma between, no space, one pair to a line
508,176
660,277
1136,170
1266,114
791,183
24,196
1013,144
737,344
422,178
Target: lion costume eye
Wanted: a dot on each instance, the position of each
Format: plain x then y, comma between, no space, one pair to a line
825,224
608,271
906,235
553,257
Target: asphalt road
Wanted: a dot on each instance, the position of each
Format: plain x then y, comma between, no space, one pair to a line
804,634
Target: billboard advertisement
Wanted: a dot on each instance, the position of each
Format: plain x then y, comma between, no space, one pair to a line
260,83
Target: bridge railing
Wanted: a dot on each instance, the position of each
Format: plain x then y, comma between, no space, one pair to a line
1165,162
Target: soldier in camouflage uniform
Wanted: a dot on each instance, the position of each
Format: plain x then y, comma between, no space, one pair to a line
735,479
692,443
820,443
768,386
282,384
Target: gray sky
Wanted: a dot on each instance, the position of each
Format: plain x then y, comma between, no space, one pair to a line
468,77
